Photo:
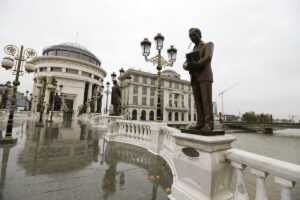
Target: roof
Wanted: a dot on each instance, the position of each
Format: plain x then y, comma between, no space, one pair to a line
72,47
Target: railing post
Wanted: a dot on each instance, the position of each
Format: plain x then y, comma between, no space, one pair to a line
261,190
240,192
286,187
155,140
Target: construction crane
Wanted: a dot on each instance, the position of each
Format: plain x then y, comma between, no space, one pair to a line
221,94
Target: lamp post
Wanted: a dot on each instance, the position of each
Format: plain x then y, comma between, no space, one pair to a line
160,62
20,57
52,88
107,92
26,99
30,101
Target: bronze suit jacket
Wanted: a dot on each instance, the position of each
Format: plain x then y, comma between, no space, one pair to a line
116,95
203,72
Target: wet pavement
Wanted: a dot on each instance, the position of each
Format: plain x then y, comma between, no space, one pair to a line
73,161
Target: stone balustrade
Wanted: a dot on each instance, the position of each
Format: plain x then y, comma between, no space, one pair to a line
286,174
202,166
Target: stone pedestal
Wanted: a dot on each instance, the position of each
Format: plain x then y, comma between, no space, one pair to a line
202,170
112,127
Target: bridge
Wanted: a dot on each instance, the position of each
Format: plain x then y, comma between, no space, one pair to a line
260,126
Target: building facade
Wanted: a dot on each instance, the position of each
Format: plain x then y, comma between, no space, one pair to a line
73,66
139,97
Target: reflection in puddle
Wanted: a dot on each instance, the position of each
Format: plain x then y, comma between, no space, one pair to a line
73,161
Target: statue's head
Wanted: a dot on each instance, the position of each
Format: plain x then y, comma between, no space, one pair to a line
195,35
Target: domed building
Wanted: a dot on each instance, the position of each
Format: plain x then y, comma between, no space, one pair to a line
76,70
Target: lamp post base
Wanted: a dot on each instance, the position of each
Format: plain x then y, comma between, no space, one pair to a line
8,140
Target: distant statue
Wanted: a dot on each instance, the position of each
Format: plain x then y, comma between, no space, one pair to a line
92,105
116,98
57,102
198,63
4,97
30,104
99,102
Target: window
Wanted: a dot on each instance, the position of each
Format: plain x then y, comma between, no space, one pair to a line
136,78
170,100
72,71
134,115
151,115
182,86
153,81
84,57
144,101
63,53
74,55
170,84
182,116
152,91
151,101
56,69
43,69
195,117
52,53
182,100
143,115
144,91
86,74
135,89
135,100
176,85
176,116
96,77
170,116
145,80
189,101
176,100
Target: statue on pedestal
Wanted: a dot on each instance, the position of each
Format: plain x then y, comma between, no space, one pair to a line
198,63
92,105
99,102
57,102
4,97
116,98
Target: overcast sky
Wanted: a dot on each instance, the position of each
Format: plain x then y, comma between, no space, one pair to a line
257,43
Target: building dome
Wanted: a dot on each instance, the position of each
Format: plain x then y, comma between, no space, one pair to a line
72,50
170,73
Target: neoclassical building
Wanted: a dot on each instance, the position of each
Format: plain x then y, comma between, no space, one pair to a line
73,66
139,97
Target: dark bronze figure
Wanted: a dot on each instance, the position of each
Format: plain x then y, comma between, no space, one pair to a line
198,64
99,102
4,98
92,105
57,102
116,98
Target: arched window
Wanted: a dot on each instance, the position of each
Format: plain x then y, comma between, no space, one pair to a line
190,117
170,116
143,115
176,116
134,115
182,117
195,117
151,115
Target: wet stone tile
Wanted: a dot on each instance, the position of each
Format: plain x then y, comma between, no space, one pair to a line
73,166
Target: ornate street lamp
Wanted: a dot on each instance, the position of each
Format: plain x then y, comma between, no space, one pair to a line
107,92
20,56
62,104
121,72
113,76
30,101
160,62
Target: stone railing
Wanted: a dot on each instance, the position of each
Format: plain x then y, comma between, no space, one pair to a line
202,166
285,174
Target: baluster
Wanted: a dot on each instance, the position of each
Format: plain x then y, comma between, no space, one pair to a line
138,132
286,187
261,189
131,130
240,192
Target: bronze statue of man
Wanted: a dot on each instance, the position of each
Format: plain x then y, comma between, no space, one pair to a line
199,66
99,102
116,98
